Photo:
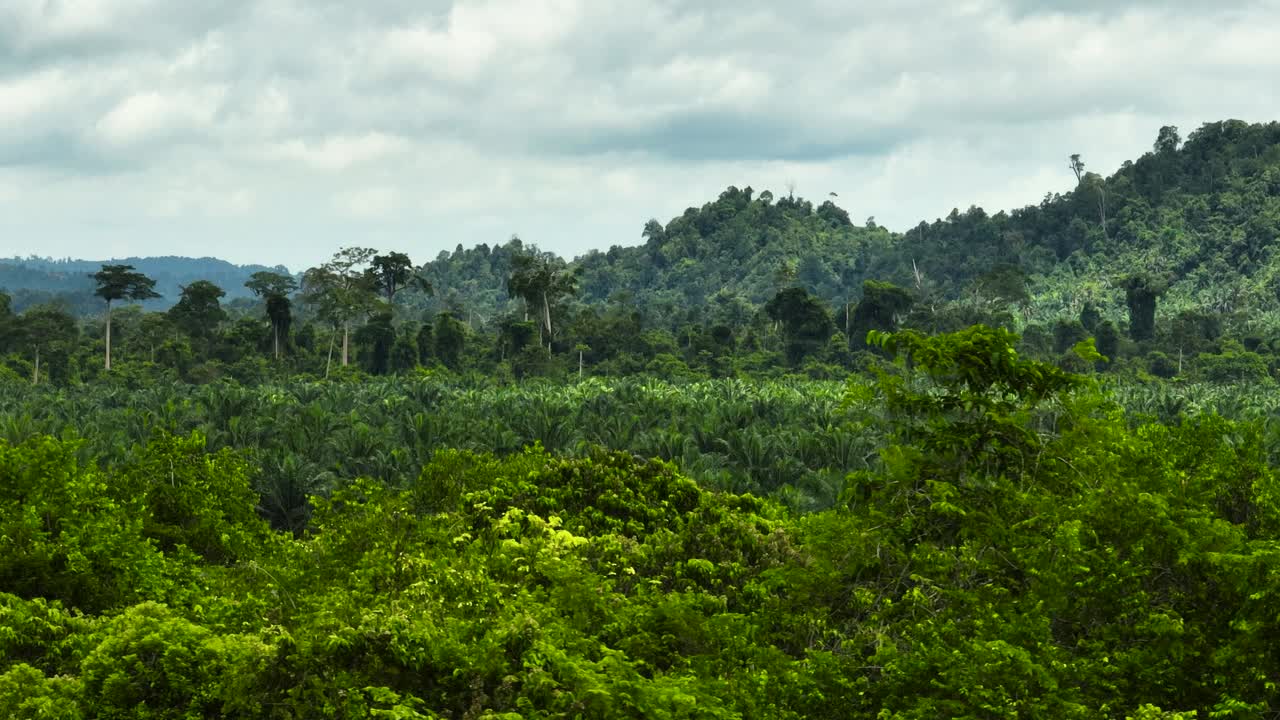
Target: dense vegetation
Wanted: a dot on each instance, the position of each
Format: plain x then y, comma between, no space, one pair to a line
1021,548
768,464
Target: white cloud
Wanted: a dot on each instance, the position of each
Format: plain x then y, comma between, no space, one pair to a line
152,115
373,203
342,152
431,122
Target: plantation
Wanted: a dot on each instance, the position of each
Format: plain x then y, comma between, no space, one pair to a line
998,538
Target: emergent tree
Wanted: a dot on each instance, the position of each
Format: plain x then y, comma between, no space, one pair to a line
120,282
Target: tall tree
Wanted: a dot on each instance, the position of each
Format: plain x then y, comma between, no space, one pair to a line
1140,293
120,282
341,291
198,310
393,272
275,289
541,281
1095,183
1077,167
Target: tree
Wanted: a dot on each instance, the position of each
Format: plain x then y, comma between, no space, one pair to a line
404,354
120,282
514,335
1167,141
1090,316
881,307
450,338
8,324
198,310
275,288
1108,341
806,323
1094,182
541,281
1006,282
1140,293
341,291
47,329
1098,185
376,338
393,272
156,329
424,341
1077,167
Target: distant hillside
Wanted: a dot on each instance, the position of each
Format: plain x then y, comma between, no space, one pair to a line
1201,218
33,280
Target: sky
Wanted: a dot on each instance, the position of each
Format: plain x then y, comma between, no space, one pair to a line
277,131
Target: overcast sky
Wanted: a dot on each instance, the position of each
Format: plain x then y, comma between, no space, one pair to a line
277,131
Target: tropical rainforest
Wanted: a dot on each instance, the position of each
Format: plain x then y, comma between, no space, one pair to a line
768,463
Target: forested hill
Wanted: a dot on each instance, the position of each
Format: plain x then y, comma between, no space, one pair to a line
1196,222
1199,220
34,280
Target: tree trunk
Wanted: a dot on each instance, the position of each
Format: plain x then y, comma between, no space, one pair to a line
108,354
345,342
579,364
546,311
35,375
329,358
1102,209
275,340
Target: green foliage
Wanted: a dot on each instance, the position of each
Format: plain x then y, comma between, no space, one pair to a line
806,324
1021,548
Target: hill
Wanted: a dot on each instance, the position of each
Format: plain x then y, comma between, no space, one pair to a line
1201,218
34,280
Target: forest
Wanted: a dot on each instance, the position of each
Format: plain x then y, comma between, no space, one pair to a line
767,463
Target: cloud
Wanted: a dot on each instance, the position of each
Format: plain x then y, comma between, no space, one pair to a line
432,123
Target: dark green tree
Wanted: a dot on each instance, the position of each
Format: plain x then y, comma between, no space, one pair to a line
1066,333
806,322
198,310
1108,340
375,339
275,288
1141,292
48,330
424,342
8,324
450,338
1090,316
393,272
881,307
514,335
404,354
